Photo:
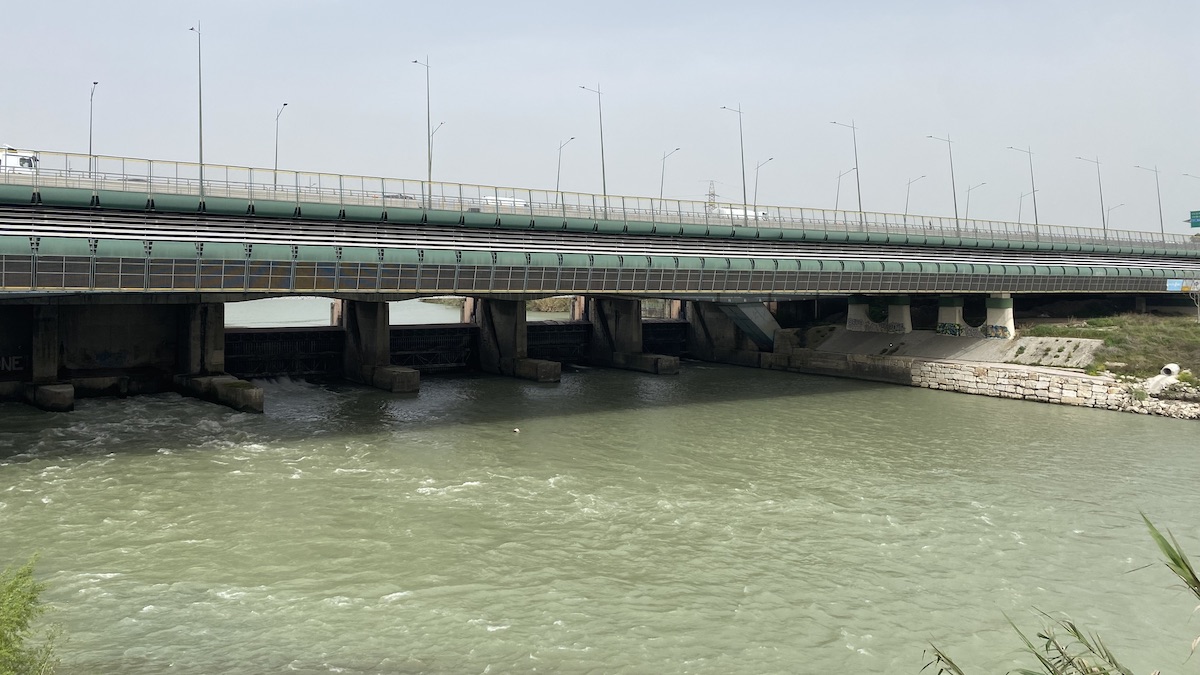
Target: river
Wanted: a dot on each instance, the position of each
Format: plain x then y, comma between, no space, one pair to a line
725,520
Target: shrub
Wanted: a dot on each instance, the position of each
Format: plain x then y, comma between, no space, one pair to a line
23,649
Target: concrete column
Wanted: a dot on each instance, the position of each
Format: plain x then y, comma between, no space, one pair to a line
899,315
950,315
203,345
617,337
504,341
1000,322
714,336
201,356
45,344
858,317
579,308
367,358
45,391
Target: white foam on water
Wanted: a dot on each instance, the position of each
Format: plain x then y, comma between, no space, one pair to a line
392,597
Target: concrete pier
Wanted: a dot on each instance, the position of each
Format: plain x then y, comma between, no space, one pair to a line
617,337
504,340
367,358
1000,322
714,336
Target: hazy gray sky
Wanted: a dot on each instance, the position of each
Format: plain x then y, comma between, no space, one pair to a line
1092,78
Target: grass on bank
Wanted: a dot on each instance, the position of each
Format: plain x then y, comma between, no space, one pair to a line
24,648
1143,342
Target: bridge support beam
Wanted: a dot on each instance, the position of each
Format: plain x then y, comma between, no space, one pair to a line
504,340
367,358
617,338
713,335
1000,321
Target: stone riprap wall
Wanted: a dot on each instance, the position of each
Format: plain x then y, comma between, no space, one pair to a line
1033,384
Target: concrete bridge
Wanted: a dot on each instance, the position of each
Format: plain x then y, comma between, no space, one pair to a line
124,266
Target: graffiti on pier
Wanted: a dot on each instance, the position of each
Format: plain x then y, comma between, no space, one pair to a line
862,326
995,331
949,328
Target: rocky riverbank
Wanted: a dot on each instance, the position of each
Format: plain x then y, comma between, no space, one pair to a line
978,366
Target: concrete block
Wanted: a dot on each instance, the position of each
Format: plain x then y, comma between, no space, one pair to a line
51,397
646,363
538,370
396,379
239,395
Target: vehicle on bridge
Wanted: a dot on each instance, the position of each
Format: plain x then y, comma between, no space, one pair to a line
17,161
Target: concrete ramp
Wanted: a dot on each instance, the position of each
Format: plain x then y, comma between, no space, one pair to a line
755,320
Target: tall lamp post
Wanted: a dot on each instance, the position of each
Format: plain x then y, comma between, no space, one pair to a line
600,111
1162,228
558,171
760,165
1103,213
837,197
857,179
275,174
907,189
663,177
91,98
1032,185
429,132
1021,204
200,104
742,146
967,213
1108,213
953,189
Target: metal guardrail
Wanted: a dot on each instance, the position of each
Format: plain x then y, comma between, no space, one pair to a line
164,177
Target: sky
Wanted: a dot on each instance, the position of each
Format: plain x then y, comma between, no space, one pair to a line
1099,79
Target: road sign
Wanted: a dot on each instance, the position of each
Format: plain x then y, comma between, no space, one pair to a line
1195,218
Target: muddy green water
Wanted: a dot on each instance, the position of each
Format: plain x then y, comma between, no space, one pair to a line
726,520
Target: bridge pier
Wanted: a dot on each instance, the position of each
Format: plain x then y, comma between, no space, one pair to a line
200,353
950,315
617,337
1000,321
367,358
899,319
504,340
714,335
45,390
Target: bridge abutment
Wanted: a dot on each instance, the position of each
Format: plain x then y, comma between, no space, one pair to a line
367,356
504,340
617,337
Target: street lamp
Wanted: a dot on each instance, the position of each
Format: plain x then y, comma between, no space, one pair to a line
742,145
1108,213
1032,185
1161,226
200,105
953,190
838,195
662,178
600,111
91,98
1103,213
967,213
558,172
760,165
857,181
1191,176
1021,203
275,175
428,130
431,135
907,189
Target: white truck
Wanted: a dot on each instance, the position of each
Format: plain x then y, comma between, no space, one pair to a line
13,160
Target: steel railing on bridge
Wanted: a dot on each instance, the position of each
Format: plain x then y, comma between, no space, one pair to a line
165,177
